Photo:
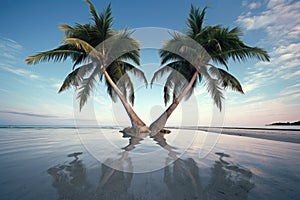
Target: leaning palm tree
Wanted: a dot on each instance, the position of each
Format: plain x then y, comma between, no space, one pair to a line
99,51
190,59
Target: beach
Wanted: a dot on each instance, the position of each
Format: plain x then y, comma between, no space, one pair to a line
93,163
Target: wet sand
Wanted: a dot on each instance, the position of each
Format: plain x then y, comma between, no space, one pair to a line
60,164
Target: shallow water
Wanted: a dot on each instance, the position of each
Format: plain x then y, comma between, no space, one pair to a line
46,163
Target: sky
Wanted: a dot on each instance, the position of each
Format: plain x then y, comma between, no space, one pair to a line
29,93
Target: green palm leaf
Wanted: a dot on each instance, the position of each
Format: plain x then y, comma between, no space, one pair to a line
213,88
135,71
55,55
82,45
87,85
195,20
75,77
226,80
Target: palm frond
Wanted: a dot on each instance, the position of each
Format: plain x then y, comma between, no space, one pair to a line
120,46
133,56
244,53
55,55
195,21
213,88
82,45
94,13
67,29
106,21
135,71
176,82
223,44
167,56
87,85
181,47
126,86
75,77
159,73
226,79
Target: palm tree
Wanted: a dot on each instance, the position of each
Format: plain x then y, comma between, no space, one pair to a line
99,51
186,59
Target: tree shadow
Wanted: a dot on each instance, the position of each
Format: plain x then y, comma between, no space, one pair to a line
182,178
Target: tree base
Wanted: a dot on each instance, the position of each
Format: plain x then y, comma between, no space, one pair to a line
137,131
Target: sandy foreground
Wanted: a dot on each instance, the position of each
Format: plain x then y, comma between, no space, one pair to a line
186,164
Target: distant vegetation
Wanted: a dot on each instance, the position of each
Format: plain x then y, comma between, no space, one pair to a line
285,124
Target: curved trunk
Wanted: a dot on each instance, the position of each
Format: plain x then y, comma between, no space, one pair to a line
136,122
161,121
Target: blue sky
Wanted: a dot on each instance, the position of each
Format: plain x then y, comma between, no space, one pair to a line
29,93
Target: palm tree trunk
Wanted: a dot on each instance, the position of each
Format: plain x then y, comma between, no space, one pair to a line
136,122
161,121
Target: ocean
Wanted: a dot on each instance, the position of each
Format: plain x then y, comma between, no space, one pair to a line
43,162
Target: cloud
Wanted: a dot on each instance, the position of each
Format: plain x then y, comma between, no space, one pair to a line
264,111
254,5
279,21
291,75
9,56
9,48
27,114
290,90
244,100
19,72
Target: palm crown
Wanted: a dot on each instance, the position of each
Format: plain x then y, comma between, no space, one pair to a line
181,57
96,48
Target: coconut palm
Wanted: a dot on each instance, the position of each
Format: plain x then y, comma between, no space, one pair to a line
98,52
190,59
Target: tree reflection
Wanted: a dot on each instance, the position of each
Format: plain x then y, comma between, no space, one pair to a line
114,184
182,178
70,179
228,180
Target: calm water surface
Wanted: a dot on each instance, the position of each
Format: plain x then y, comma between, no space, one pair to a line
47,163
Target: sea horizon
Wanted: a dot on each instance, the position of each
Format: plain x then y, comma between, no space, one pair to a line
266,127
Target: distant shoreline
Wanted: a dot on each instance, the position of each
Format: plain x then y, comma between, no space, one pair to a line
285,124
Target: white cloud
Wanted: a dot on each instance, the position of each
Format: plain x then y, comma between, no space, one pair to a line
291,90
291,75
9,48
254,5
283,49
279,21
19,72
285,57
274,3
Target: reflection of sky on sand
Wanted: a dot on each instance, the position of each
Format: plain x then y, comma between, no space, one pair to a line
146,157
273,163
48,164
180,180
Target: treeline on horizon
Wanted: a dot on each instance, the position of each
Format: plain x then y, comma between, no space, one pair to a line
285,123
